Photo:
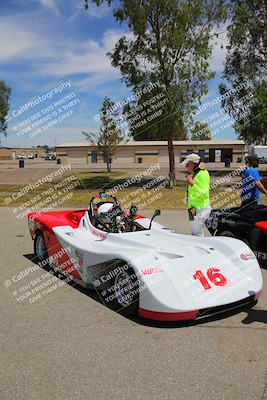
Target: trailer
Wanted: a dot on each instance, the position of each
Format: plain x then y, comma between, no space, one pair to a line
261,152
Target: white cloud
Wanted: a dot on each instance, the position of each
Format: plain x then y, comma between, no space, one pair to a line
79,59
43,56
51,5
16,41
98,12
96,80
84,58
73,8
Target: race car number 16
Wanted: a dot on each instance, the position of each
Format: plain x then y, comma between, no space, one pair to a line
215,276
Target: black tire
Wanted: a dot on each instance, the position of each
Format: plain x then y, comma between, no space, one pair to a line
225,232
122,292
228,233
40,249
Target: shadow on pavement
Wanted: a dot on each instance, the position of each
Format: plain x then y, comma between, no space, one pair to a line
255,315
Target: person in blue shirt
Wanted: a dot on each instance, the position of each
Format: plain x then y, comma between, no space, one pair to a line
251,183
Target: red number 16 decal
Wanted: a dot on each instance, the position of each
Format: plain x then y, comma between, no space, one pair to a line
214,275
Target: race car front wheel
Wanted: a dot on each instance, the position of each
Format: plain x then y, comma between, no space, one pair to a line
122,294
40,249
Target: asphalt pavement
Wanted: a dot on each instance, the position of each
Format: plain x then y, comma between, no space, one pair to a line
69,346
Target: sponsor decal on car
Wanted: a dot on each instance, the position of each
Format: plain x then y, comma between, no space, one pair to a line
228,221
151,270
99,234
260,255
247,256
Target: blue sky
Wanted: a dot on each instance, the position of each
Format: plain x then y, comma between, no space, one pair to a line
45,42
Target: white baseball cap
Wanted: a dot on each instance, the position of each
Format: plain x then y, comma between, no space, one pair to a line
191,157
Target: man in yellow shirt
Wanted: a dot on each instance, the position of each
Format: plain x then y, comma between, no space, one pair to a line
198,192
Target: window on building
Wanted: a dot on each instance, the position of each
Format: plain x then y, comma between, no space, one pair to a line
227,155
201,154
94,157
211,155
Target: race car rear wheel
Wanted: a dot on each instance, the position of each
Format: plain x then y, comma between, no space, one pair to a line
122,295
225,232
40,249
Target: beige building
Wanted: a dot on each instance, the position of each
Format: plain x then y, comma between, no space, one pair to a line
142,152
12,153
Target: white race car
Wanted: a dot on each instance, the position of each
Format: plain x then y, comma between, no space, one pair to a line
138,265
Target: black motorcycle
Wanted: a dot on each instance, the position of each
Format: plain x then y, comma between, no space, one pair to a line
247,224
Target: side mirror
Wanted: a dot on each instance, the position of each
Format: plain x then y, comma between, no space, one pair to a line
156,213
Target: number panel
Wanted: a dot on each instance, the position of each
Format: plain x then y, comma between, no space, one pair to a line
214,275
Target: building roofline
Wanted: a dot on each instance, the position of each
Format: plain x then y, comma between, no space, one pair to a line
22,148
160,143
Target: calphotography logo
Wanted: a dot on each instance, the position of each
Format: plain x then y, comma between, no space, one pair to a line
44,111
46,193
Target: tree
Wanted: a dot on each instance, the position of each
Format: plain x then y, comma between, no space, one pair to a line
246,68
45,146
151,129
110,136
201,131
5,92
170,46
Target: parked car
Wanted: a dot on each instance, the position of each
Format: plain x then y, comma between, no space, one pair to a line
248,225
50,156
138,265
262,160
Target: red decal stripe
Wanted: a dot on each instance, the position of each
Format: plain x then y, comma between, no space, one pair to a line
167,316
139,216
51,219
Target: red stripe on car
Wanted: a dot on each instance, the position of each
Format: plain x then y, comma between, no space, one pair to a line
167,316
